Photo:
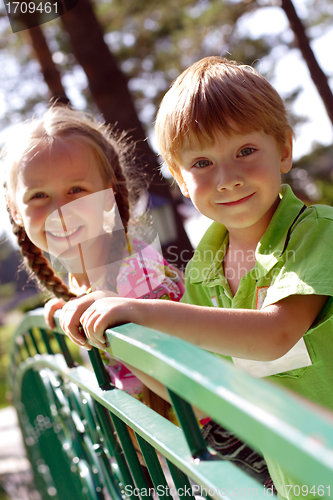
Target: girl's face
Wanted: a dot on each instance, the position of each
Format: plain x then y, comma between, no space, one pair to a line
52,201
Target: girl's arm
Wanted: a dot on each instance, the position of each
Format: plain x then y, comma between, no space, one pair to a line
262,335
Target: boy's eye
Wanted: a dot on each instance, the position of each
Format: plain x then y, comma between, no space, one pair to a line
202,163
246,151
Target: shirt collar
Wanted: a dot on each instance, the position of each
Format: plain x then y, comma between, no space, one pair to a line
272,243
209,255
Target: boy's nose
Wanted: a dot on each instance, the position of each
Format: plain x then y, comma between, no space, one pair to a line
228,179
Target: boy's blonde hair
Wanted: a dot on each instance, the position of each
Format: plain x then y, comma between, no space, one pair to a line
114,158
216,94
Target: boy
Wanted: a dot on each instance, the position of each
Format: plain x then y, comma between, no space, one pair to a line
259,278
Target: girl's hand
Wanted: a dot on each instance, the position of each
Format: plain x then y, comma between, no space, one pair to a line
105,313
50,308
72,312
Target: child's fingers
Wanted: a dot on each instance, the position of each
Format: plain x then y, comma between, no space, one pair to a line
88,324
100,315
70,324
49,320
79,338
76,307
71,314
50,308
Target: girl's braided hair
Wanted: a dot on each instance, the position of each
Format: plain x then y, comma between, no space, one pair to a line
112,152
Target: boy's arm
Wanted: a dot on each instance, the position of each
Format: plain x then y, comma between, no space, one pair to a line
262,335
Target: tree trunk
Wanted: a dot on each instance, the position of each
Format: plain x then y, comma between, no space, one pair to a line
49,70
109,89
318,76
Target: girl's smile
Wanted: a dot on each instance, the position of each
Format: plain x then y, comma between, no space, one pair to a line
67,234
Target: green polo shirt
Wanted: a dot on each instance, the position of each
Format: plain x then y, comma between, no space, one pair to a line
294,256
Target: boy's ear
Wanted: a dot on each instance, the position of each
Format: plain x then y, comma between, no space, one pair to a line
287,155
176,174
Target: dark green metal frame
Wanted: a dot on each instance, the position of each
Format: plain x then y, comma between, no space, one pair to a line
75,423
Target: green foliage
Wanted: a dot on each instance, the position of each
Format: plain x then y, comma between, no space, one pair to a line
7,290
6,332
3,495
319,16
326,190
153,42
312,175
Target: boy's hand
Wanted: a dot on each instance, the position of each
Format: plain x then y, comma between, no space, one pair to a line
50,308
72,312
104,313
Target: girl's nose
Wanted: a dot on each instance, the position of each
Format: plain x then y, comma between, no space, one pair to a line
56,202
55,216
59,212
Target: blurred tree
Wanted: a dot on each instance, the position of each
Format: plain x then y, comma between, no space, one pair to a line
149,43
155,41
152,42
107,83
49,70
318,76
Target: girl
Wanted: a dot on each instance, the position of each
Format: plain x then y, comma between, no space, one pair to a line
69,194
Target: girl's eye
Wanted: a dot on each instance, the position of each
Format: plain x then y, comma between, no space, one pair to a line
39,195
76,190
202,163
246,151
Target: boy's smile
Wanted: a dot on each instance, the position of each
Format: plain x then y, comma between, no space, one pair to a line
235,180
236,202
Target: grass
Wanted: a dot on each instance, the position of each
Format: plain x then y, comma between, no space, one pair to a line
3,392
6,332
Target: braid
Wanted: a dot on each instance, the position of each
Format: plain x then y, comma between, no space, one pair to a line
122,197
38,264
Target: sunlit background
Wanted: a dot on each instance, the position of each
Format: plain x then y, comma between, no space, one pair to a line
283,66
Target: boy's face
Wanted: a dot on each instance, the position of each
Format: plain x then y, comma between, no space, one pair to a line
235,181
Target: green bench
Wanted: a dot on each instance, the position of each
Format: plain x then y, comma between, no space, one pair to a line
75,424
